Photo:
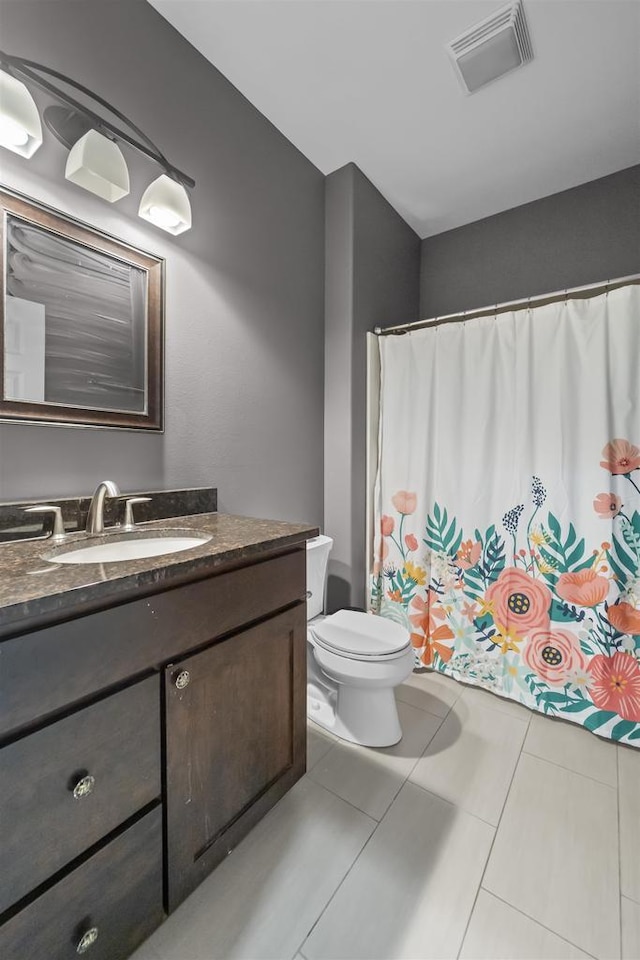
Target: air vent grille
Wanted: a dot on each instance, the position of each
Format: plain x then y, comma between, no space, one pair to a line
491,48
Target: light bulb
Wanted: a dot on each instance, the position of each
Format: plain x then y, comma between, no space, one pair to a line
165,204
163,217
12,134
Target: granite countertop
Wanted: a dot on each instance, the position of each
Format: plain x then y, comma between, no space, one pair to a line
34,591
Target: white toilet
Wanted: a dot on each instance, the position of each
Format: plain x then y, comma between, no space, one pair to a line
354,661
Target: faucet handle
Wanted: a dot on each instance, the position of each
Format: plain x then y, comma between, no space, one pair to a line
58,525
129,522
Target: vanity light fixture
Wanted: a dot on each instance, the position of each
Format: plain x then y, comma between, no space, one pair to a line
96,162
20,127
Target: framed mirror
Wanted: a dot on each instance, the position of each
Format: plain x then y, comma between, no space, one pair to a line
81,325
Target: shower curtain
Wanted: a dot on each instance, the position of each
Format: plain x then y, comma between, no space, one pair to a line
507,504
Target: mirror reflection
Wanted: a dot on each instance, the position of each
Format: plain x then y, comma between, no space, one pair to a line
75,328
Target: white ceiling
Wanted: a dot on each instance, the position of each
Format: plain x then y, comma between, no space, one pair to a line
369,81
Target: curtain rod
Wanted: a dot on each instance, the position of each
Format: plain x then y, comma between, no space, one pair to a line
462,315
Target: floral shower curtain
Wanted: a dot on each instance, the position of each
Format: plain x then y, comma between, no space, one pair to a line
507,505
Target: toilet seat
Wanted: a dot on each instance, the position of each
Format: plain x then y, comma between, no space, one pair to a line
360,636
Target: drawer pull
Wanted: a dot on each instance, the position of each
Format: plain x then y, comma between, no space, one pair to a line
87,940
183,679
82,789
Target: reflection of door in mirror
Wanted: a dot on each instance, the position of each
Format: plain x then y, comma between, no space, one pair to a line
24,350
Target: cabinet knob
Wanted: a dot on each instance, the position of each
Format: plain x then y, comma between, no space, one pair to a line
83,788
87,940
183,679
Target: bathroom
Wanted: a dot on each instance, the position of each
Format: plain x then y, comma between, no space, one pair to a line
298,249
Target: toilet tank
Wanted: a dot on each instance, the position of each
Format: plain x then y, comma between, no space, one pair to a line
318,551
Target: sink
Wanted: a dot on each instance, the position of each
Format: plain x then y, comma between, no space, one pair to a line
132,547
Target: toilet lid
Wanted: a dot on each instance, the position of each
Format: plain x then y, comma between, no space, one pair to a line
361,634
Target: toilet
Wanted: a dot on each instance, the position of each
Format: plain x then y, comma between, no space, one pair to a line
354,662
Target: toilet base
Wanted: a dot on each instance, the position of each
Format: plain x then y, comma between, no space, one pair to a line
368,717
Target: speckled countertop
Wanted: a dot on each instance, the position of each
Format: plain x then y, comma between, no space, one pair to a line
35,591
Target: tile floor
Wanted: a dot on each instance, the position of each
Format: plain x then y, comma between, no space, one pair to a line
489,832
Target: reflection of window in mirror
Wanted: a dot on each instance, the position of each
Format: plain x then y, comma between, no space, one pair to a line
75,323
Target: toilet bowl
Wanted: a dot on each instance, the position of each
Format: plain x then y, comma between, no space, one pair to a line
354,662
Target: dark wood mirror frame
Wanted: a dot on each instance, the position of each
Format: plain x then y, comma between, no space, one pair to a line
20,209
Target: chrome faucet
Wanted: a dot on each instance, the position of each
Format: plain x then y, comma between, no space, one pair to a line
95,516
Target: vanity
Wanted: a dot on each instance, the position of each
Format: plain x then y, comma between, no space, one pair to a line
151,712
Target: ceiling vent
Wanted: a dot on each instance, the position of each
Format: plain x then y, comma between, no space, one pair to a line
491,48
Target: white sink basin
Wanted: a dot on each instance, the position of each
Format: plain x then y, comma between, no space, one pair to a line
129,549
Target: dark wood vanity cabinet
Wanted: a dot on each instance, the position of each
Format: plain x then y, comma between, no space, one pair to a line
165,729
235,742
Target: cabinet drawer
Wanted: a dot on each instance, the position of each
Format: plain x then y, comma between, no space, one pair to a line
113,899
68,785
50,668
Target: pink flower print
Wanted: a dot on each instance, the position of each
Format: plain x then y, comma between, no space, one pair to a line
584,588
404,502
607,505
386,525
469,610
554,655
411,542
624,618
620,457
468,554
518,602
616,684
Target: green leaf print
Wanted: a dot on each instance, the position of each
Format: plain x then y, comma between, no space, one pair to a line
577,706
599,718
494,556
622,729
564,613
442,536
492,562
624,555
560,554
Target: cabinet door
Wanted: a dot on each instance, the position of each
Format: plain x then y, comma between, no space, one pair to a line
236,741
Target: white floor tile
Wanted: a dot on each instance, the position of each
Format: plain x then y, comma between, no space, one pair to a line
493,701
370,778
263,900
430,691
574,748
471,759
555,856
318,743
145,952
410,893
630,929
499,932
629,789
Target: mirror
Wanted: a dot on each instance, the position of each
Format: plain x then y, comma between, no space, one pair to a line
81,329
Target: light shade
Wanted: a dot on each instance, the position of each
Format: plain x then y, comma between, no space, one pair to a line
165,203
97,164
20,127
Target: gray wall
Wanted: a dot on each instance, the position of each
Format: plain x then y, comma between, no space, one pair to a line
244,338
372,276
579,236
